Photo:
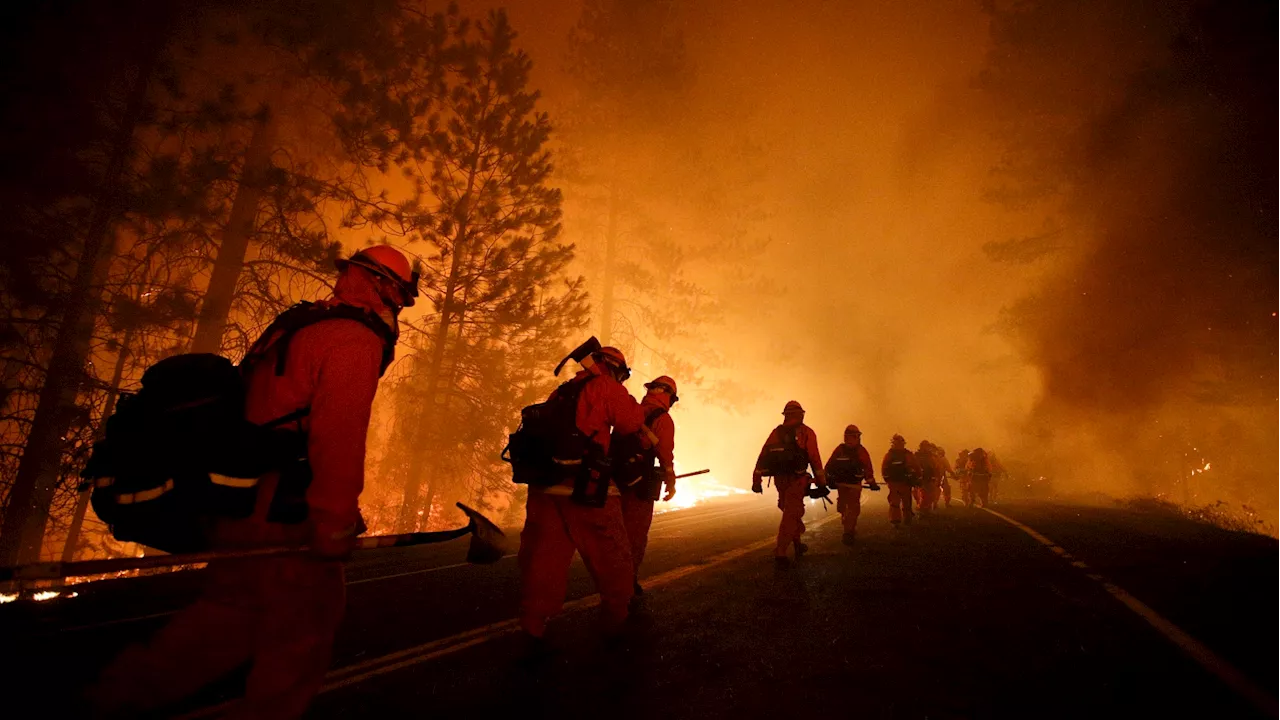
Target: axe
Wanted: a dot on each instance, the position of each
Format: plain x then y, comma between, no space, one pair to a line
488,545
581,354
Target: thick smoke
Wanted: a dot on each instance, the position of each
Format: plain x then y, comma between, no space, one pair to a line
1157,337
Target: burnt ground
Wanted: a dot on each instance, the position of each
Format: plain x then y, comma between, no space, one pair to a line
959,616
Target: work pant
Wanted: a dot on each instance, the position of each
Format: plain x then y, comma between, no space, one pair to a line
791,494
900,502
927,495
554,527
849,504
981,488
278,614
966,490
637,516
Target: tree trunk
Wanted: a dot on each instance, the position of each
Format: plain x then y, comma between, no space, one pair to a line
27,512
426,424
82,500
610,259
216,307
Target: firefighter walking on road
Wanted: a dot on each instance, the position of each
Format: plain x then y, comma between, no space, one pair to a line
979,467
582,513
633,463
962,477
926,494
900,470
787,455
847,469
944,465
280,614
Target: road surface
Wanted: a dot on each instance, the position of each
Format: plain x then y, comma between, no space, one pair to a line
1040,611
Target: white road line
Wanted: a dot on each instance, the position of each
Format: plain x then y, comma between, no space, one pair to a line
1201,653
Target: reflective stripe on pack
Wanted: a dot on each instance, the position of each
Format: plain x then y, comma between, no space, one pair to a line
560,461
234,482
144,495
566,491
104,482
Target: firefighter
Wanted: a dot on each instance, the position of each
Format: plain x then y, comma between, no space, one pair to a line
947,475
280,614
930,487
787,455
847,469
557,522
656,441
998,476
962,476
979,477
902,473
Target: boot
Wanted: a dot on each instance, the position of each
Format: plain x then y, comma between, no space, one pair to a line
801,549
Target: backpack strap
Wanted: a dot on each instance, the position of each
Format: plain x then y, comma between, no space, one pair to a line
653,415
279,334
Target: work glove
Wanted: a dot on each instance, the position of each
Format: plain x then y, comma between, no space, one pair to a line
330,543
820,478
871,485
670,482
756,485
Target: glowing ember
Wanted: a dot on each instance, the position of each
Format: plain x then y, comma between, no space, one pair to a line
7,598
45,595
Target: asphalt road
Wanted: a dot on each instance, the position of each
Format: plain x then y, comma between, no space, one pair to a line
963,615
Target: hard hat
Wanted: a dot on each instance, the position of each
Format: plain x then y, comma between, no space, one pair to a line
665,382
387,262
792,407
614,358
925,445
852,430
898,441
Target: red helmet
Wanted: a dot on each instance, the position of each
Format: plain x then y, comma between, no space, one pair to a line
666,383
852,430
898,441
792,408
616,361
387,262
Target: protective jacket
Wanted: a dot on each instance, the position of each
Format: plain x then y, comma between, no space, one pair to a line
605,405
805,445
850,465
332,367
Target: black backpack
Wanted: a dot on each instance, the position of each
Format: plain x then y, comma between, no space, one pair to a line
898,468
784,456
633,465
548,448
179,454
846,467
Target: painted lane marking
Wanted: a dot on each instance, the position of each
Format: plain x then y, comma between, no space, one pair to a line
1208,659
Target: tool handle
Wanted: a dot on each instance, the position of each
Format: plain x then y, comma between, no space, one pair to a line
53,570
695,472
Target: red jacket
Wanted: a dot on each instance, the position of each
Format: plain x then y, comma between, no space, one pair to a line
332,366
912,465
605,405
664,428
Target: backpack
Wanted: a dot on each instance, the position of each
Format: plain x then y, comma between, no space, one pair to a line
548,448
898,468
178,454
784,456
633,464
845,466
979,463
929,466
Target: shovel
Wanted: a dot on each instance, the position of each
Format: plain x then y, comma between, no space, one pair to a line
488,545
